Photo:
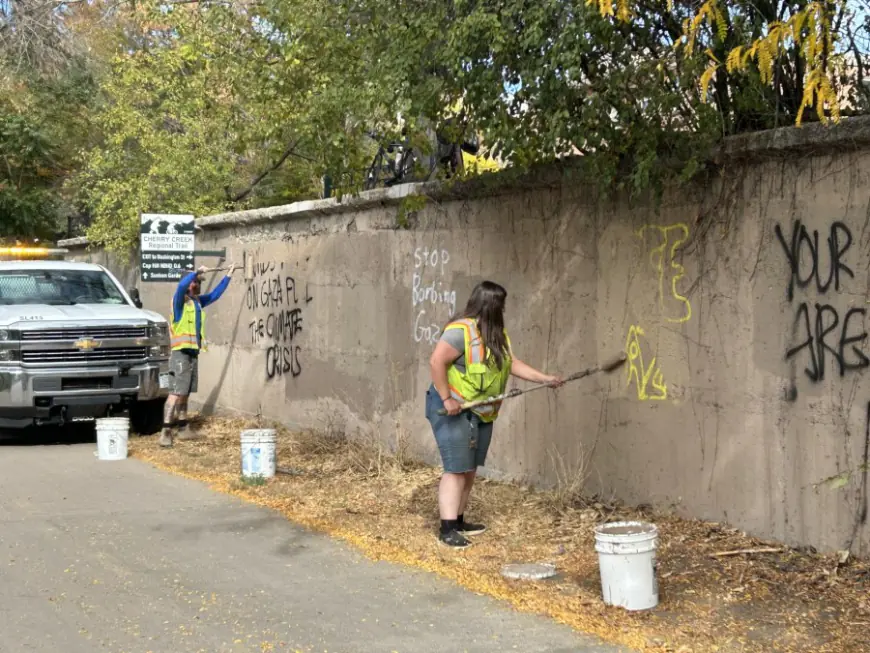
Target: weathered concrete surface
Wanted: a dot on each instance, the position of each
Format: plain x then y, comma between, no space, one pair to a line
741,301
814,138
120,557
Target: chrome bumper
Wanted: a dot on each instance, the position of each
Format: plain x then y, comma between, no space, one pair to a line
39,394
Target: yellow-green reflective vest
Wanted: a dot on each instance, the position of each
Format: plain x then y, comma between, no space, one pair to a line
182,334
482,379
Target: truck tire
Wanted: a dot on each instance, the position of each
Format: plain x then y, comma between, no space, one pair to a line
146,417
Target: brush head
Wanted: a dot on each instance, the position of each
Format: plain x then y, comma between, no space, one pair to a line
613,363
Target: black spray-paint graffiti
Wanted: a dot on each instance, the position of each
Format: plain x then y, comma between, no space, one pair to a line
802,242
818,328
279,327
816,344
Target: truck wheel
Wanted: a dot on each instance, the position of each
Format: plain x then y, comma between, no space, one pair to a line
146,417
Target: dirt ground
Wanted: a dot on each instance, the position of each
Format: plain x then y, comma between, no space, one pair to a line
386,506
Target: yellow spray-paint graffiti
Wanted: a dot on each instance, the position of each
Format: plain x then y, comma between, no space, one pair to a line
662,264
648,378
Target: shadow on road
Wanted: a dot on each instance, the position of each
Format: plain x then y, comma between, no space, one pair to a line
81,433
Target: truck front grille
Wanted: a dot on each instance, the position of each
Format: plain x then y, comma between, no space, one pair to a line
107,355
97,333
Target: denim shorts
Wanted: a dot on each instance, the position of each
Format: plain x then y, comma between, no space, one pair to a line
463,440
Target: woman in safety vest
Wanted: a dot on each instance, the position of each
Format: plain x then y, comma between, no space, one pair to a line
472,360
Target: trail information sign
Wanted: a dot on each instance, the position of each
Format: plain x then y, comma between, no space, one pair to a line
166,246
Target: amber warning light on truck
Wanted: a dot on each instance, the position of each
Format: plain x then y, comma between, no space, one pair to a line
20,253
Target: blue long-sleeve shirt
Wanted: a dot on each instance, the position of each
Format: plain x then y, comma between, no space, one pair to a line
199,303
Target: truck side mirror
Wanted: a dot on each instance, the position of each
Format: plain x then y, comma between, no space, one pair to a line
134,295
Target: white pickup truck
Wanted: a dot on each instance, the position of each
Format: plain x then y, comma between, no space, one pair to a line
75,346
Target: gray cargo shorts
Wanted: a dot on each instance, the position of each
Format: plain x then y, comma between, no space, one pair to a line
183,373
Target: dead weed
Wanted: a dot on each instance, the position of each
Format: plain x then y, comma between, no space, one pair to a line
376,498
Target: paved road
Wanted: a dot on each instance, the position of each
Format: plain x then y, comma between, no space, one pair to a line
117,556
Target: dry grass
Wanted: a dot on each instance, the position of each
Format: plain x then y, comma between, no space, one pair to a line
385,504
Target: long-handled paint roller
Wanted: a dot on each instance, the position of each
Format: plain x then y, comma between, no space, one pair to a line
247,265
223,269
608,366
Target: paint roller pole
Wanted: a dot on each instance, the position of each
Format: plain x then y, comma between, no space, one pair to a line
223,269
608,366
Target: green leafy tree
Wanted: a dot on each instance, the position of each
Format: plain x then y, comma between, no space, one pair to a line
222,106
544,79
641,89
28,176
47,91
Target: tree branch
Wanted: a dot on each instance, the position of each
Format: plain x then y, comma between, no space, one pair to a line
286,154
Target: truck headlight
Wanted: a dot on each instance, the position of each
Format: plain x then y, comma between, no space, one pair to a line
160,331
8,355
159,351
4,335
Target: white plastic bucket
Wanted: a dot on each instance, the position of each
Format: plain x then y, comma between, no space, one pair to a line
112,436
627,561
258,452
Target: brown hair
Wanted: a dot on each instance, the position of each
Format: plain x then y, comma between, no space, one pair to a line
486,305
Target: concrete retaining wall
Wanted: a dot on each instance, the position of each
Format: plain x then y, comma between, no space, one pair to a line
741,303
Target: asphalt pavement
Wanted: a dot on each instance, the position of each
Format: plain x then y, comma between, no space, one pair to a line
121,557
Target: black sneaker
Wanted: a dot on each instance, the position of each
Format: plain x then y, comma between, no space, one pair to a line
454,539
470,529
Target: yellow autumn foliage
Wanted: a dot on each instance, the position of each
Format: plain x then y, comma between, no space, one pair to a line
476,165
808,29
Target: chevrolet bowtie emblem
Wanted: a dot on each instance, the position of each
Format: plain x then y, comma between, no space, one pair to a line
86,344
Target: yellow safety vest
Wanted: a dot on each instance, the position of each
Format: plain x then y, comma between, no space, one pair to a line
482,379
182,334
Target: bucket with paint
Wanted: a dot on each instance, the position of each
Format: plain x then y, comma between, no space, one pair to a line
627,562
258,452
112,436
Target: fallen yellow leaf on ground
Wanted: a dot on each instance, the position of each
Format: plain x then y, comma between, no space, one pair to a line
386,506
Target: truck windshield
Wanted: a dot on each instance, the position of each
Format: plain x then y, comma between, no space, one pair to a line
58,287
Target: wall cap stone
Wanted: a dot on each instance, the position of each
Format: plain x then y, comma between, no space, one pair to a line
74,243
318,208
814,138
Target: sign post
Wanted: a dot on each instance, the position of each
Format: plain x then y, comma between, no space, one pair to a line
166,247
